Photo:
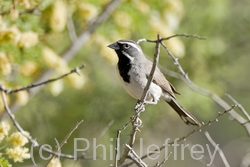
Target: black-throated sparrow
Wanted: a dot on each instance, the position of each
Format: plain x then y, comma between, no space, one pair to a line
134,69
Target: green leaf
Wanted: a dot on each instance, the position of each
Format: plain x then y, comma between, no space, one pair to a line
4,162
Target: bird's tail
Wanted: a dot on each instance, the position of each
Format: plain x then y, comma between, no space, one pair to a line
186,116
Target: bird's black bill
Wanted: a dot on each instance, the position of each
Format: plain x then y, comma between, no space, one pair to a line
114,46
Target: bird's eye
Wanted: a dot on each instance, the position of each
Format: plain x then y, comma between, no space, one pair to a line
126,46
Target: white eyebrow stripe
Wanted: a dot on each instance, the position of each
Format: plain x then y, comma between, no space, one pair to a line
133,45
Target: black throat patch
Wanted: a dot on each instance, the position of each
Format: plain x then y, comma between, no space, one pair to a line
124,66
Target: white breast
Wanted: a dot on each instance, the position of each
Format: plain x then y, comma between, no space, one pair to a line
136,87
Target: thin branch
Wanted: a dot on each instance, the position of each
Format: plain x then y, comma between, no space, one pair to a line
135,127
151,75
65,139
209,138
16,124
239,106
141,101
70,133
9,91
117,144
71,28
136,159
167,38
187,135
211,95
33,141
103,132
176,62
82,38
205,92
164,160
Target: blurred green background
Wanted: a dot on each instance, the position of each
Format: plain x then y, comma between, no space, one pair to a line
219,64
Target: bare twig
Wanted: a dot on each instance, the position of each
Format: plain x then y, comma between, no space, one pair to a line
117,145
71,28
140,104
82,38
209,138
186,136
66,139
207,93
151,75
33,141
167,38
16,124
239,106
70,133
164,160
136,159
211,95
199,128
135,127
105,129
9,91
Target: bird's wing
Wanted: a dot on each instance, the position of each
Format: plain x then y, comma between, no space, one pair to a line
160,80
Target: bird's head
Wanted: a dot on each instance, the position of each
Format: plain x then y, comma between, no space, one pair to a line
127,48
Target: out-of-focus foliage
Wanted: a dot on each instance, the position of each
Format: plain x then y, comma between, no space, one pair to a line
12,145
35,33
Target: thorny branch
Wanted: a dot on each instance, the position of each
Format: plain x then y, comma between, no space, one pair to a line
207,93
185,78
187,135
9,91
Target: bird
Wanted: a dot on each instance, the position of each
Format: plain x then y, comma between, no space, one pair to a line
134,69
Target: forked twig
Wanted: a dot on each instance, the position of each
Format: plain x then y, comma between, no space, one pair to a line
172,36
242,109
132,155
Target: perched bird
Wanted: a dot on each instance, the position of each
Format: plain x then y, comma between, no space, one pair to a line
134,69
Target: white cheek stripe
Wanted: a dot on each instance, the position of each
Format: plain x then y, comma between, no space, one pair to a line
133,45
128,56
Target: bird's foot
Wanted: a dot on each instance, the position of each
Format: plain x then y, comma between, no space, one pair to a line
140,106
